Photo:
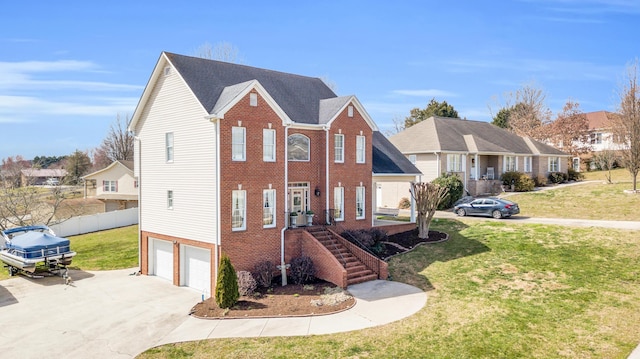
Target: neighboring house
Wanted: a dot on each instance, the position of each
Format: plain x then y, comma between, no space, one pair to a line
478,152
224,154
600,135
114,185
39,177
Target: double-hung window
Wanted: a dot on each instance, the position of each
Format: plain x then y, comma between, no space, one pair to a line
269,208
168,141
360,149
268,145
338,203
360,214
169,199
238,143
527,164
110,186
510,164
338,147
454,163
239,210
554,164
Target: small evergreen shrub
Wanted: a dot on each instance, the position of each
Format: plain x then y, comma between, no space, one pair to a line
521,181
367,238
302,270
246,283
574,175
227,293
456,189
557,177
404,203
263,273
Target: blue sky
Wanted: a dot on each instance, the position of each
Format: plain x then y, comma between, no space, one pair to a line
67,69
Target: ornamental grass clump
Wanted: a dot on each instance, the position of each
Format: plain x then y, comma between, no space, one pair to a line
227,292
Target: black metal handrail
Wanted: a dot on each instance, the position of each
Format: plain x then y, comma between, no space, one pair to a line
371,261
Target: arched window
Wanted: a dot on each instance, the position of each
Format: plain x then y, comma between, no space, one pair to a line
298,147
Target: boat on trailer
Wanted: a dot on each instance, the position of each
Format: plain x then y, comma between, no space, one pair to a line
27,249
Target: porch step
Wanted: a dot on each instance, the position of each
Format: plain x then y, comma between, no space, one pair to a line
357,272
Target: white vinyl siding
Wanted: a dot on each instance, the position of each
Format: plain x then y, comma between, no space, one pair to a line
338,147
169,146
360,207
360,149
269,208
238,143
268,145
172,100
239,210
338,203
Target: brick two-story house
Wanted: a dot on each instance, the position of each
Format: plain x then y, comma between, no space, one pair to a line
225,153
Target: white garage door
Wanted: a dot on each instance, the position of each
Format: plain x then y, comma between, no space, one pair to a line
197,269
163,259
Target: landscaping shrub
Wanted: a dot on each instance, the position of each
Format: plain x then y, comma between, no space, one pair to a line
455,186
302,270
263,273
540,181
521,181
404,203
227,293
557,177
574,175
370,239
246,283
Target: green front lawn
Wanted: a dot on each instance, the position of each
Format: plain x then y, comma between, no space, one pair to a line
495,290
111,249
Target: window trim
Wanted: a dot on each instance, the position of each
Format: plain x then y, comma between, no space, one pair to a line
170,199
555,160
338,150
265,145
338,197
457,162
242,211
413,159
169,145
243,144
272,207
108,185
507,159
361,149
361,192
528,164
308,148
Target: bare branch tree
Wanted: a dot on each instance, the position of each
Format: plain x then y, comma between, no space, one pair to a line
427,196
570,130
223,51
398,126
528,113
626,123
118,145
605,160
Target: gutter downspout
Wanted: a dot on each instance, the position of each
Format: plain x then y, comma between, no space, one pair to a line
136,138
283,265
326,184
218,208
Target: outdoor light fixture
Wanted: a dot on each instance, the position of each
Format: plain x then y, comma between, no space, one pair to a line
317,192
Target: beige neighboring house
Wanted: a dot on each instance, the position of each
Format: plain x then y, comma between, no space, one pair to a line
477,151
115,186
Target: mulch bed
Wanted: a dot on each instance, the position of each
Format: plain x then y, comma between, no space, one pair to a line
406,241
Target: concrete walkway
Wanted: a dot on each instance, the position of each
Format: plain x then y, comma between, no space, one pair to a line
378,302
113,314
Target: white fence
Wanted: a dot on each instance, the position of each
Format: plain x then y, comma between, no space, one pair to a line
96,222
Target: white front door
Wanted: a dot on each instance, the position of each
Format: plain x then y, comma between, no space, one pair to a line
297,200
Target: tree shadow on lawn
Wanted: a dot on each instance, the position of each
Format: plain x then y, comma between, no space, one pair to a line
408,267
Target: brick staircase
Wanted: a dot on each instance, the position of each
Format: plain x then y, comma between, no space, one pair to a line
356,271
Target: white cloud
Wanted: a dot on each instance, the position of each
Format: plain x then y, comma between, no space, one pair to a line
25,108
425,93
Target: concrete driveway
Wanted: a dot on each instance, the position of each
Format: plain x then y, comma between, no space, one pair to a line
107,314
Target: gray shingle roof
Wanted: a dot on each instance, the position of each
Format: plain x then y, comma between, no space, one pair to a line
388,160
298,96
439,134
